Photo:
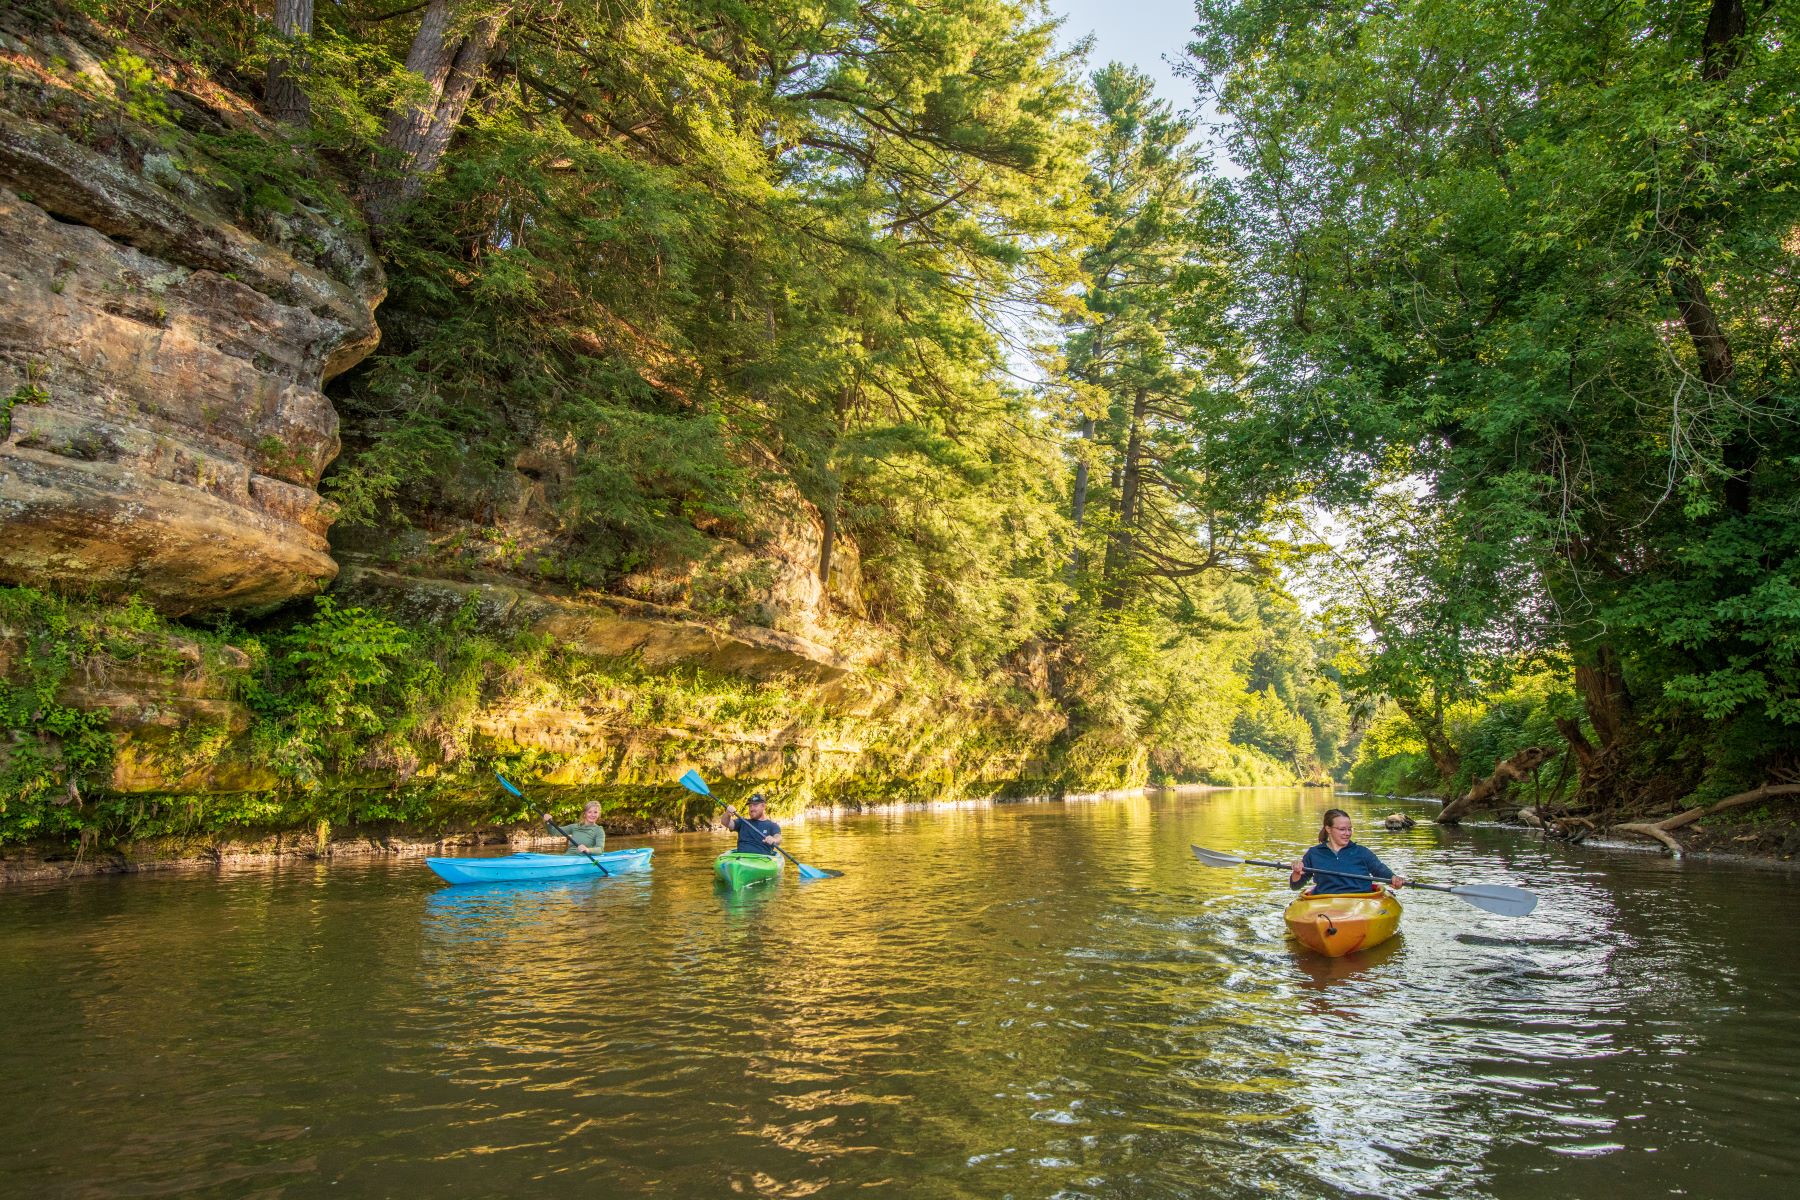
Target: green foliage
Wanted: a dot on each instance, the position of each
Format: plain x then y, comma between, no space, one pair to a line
49,749
332,683
140,95
1523,714
613,315
1246,766
25,393
1531,270
681,259
1391,756
1267,724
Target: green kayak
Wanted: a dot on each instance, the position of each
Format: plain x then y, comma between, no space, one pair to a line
740,869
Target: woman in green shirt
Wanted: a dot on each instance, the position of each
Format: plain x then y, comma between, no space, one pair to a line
588,837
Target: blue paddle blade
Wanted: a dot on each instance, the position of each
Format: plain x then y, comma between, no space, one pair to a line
807,872
693,783
508,786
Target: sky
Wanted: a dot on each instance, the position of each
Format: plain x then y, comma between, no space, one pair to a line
1141,33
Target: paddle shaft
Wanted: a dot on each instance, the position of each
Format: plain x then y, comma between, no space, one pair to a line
577,845
1289,868
598,865
765,838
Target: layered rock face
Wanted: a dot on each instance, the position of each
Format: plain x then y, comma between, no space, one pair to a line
162,424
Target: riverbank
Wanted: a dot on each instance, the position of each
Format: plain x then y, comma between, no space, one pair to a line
27,864
1771,841
1753,835
1767,841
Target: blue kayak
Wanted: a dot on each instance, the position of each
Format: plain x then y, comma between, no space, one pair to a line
521,868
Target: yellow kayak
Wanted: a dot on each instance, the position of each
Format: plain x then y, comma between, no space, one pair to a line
1337,925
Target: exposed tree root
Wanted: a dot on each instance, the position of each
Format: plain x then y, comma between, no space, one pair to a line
1651,831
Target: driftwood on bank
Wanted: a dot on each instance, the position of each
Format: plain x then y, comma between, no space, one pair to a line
1660,830
1513,770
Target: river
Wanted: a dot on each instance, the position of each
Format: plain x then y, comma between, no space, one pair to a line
1040,1000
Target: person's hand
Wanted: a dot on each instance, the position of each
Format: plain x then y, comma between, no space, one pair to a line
1297,869
1397,882
774,839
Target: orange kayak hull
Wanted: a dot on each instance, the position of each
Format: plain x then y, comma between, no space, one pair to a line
1339,925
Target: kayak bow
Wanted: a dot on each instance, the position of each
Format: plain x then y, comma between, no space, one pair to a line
741,869
1336,925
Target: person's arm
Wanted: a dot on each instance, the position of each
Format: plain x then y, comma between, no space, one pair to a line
1381,870
1300,873
773,839
573,845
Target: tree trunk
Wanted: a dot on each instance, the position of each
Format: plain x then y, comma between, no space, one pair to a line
1078,509
1602,687
1722,47
1721,50
1578,742
827,539
450,52
1443,755
1118,553
286,102
1514,769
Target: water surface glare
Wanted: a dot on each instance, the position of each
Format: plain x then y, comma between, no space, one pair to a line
1040,1000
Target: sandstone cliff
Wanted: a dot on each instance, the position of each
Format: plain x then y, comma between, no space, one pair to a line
163,345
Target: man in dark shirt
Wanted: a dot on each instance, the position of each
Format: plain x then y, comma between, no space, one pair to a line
756,833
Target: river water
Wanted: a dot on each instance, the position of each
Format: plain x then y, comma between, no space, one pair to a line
1044,1000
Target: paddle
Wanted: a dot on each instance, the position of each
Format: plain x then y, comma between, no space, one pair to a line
598,865
1494,897
693,783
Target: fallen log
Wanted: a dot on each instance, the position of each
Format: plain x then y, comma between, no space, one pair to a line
1660,830
1513,770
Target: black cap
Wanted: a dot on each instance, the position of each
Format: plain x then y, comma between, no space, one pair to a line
757,798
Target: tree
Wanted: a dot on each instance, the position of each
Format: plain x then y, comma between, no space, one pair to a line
286,100
1543,259
1141,382
448,56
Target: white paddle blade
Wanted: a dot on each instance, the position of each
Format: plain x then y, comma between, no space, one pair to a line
1497,898
1213,858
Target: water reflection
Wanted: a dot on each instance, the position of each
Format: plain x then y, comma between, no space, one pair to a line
1322,972
1034,1000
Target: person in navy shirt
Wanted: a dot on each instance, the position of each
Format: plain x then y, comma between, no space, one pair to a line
756,833
1335,849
